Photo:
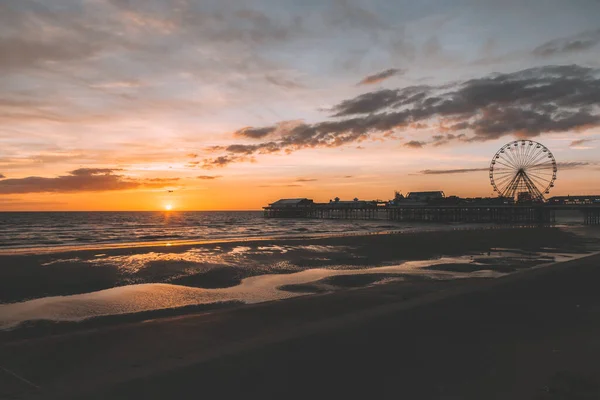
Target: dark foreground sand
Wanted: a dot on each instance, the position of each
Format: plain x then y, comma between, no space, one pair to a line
531,335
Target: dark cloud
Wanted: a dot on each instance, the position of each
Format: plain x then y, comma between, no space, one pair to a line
579,142
580,42
79,180
208,177
414,144
262,148
2,176
255,133
306,180
381,76
573,164
451,171
222,161
440,140
525,103
380,100
162,180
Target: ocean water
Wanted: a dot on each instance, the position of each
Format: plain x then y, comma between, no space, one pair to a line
48,229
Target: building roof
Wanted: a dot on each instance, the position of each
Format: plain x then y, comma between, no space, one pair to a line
291,202
438,193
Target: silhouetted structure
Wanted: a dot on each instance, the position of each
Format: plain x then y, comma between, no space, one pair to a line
523,169
436,207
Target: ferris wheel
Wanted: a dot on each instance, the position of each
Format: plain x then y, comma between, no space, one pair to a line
524,169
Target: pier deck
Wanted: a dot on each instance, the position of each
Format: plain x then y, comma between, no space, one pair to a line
535,213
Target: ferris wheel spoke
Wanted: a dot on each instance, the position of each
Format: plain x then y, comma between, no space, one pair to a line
541,164
529,150
503,170
505,178
539,159
510,154
506,158
545,181
540,185
548,168
534,190
535,156
522,151
504,186
507,182
545,164
506,165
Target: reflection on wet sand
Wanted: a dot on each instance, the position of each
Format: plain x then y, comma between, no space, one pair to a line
155,296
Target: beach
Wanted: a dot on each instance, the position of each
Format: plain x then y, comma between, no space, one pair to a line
63,289
341,302
528,335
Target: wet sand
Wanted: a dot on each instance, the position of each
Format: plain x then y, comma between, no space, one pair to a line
530,335
226,264
177,280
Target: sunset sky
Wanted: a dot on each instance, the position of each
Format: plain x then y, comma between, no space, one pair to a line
216,104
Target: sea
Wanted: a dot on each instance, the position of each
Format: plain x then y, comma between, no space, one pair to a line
57,229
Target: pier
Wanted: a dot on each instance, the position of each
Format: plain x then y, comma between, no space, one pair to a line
447,210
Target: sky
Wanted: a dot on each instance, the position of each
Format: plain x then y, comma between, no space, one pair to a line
225,105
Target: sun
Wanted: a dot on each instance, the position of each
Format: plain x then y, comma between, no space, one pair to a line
168,207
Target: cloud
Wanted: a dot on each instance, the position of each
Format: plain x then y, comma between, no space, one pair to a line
381,76
380,100
162,180
282,82
306,180
573,164
580,144
451,171
560,165
255,133
208,177
524,104
576,43
80,180
414,144
440,140
222,161
2,176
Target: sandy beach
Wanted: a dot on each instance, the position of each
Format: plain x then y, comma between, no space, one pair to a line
526,334
52,292
534,333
